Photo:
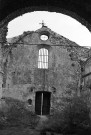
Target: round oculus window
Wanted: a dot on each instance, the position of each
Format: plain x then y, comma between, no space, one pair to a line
44,37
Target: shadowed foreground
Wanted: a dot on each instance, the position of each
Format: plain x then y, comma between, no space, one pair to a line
15,119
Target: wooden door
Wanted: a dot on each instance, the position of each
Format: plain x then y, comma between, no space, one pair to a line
42,103
38,103
46,103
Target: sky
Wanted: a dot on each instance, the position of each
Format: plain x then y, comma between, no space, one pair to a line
57,22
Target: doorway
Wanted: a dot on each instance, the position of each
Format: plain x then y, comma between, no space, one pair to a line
42,102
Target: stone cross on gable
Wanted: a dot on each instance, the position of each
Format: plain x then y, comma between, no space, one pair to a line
43,24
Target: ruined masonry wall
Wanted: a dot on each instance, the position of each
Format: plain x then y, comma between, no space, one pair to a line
24,78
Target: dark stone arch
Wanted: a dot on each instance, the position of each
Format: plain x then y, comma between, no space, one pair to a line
63,9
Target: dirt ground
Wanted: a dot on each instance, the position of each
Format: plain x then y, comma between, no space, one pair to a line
19,131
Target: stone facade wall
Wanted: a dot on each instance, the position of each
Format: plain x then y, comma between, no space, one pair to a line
24,78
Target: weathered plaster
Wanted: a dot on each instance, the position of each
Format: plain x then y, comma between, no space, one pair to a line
24,78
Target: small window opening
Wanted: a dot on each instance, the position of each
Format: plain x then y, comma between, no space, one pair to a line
43,58
44,37
29,101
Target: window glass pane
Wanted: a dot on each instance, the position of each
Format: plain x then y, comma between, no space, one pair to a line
46,52
43,58
47,58
42,65
45,65
41,52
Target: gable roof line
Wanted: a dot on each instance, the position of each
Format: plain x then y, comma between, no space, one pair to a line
44,28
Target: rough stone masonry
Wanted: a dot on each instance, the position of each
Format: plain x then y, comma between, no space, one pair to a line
22,78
